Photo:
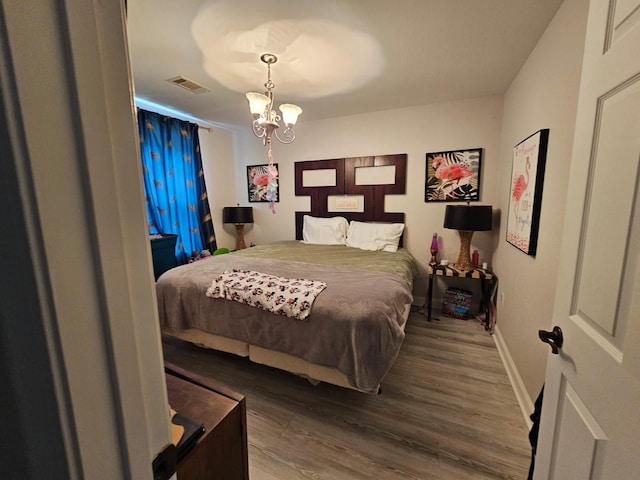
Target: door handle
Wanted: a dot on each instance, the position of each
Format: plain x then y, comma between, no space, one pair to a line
553,338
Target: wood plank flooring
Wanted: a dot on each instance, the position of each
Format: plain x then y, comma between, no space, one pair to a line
446,411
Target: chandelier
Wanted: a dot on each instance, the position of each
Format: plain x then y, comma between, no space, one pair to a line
265,118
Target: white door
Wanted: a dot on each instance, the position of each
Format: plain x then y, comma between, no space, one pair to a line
590,426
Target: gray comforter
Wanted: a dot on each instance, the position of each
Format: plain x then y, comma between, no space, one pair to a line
356,324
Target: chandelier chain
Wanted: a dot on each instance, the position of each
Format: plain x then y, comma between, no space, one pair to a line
269,85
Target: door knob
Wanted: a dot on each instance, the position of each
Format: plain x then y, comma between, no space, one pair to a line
553,338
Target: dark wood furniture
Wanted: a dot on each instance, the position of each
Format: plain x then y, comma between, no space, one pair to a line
221,452
163,253
345,172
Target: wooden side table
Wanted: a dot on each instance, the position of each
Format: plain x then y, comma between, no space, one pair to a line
488,282
221,452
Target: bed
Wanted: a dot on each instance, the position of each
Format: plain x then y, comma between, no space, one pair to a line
351,337
355,324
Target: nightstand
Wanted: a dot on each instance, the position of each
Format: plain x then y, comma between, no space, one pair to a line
488,281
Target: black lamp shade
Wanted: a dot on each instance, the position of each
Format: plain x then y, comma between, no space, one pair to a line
237,215
475,218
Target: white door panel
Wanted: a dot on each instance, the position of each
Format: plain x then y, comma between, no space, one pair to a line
609,207
580,439
589,425
625,17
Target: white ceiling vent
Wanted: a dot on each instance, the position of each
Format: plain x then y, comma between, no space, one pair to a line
190,85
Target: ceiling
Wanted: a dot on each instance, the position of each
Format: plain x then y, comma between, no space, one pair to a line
335,57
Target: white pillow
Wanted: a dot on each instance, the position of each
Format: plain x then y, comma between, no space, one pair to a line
374,236
324,231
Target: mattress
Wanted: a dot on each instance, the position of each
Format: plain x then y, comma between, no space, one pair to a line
354,331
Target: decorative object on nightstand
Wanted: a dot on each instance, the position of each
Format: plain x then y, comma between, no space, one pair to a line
475,259
434,249
467,219
239,216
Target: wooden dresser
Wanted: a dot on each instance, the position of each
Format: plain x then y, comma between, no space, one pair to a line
221,452
163,253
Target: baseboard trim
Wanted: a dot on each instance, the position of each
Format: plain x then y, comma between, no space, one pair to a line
522,396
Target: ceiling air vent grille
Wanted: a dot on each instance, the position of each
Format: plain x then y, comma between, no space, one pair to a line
190,85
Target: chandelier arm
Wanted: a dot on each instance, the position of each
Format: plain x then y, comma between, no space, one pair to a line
258,129
288,135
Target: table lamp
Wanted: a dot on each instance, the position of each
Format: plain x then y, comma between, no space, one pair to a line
467,219
238,216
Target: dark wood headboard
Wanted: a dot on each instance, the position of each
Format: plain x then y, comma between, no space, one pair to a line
345,172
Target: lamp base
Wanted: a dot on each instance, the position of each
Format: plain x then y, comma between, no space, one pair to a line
240,245
464,257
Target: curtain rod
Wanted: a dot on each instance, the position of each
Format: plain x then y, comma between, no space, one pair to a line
165,111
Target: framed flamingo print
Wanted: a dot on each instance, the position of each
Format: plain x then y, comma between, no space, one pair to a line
258,182
453,176
525,193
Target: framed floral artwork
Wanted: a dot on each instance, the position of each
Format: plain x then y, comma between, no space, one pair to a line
453,176
525,197
258,181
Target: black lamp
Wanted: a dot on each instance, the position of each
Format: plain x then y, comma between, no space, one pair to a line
467,219
239,216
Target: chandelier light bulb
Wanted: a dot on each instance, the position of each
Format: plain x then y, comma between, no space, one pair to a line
257,103
290,114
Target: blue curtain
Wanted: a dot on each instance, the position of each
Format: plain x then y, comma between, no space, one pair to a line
175,191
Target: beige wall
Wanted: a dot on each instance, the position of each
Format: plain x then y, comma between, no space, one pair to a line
543,95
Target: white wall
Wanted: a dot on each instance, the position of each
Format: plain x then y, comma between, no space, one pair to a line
216,148
543,95
414,131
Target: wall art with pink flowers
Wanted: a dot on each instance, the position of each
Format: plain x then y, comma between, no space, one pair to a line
453,176
525,198
258,184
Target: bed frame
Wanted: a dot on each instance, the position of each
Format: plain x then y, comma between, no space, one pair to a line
314,373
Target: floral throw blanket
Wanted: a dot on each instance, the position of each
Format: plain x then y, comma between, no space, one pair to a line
292,297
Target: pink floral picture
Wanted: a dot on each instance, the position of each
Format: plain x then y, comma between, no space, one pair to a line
453,176
525,197
258,183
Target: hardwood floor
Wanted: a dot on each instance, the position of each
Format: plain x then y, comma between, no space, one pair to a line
446,411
